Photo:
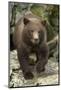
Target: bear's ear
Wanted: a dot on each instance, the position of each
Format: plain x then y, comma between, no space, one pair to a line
44,22
26,21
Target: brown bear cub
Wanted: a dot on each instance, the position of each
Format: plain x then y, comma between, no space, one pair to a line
30,37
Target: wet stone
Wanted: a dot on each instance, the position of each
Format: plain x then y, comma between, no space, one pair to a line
48,77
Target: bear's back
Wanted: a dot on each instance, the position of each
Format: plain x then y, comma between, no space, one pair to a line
17,37
30,16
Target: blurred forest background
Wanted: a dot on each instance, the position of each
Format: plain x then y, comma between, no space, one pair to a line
50,13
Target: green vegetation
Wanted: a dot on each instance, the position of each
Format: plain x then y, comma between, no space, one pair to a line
50,13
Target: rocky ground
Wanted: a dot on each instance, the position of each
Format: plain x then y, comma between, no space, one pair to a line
48,77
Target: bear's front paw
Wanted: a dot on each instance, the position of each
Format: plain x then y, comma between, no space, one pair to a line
28,75
39,70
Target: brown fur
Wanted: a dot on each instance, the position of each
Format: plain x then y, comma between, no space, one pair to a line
22,40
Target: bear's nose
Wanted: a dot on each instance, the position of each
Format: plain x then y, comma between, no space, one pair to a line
36,39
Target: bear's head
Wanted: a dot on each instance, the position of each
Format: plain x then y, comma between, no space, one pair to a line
34,31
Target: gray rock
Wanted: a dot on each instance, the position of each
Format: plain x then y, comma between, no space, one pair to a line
48,77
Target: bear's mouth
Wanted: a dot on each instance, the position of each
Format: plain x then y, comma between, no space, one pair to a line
34,41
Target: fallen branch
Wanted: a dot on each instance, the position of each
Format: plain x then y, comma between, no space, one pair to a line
52,45
53,41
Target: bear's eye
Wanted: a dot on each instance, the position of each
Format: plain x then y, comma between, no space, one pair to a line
32,31
39,31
